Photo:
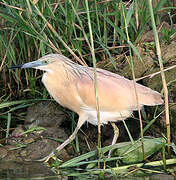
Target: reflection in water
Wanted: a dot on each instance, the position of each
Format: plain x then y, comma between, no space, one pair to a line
27,170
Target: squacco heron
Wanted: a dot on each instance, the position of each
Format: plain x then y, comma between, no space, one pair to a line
72,86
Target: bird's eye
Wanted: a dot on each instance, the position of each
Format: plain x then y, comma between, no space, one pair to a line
45,62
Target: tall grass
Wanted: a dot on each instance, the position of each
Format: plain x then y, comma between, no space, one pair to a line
51,26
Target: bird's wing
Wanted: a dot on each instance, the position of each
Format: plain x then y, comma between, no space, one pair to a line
114,92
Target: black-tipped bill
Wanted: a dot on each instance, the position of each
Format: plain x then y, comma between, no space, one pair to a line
32,64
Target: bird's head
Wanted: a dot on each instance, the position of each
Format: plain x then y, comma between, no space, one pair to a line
46,63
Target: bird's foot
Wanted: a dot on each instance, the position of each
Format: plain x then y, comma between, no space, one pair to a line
48,158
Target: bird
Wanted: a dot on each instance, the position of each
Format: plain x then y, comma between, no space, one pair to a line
72,86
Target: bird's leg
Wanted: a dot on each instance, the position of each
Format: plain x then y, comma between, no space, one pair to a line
70,139
116,135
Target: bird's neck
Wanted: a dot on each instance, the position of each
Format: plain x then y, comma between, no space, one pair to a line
62,71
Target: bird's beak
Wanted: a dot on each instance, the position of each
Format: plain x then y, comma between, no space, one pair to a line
32,64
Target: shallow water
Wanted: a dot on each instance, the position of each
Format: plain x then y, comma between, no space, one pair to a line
40,171
27,170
